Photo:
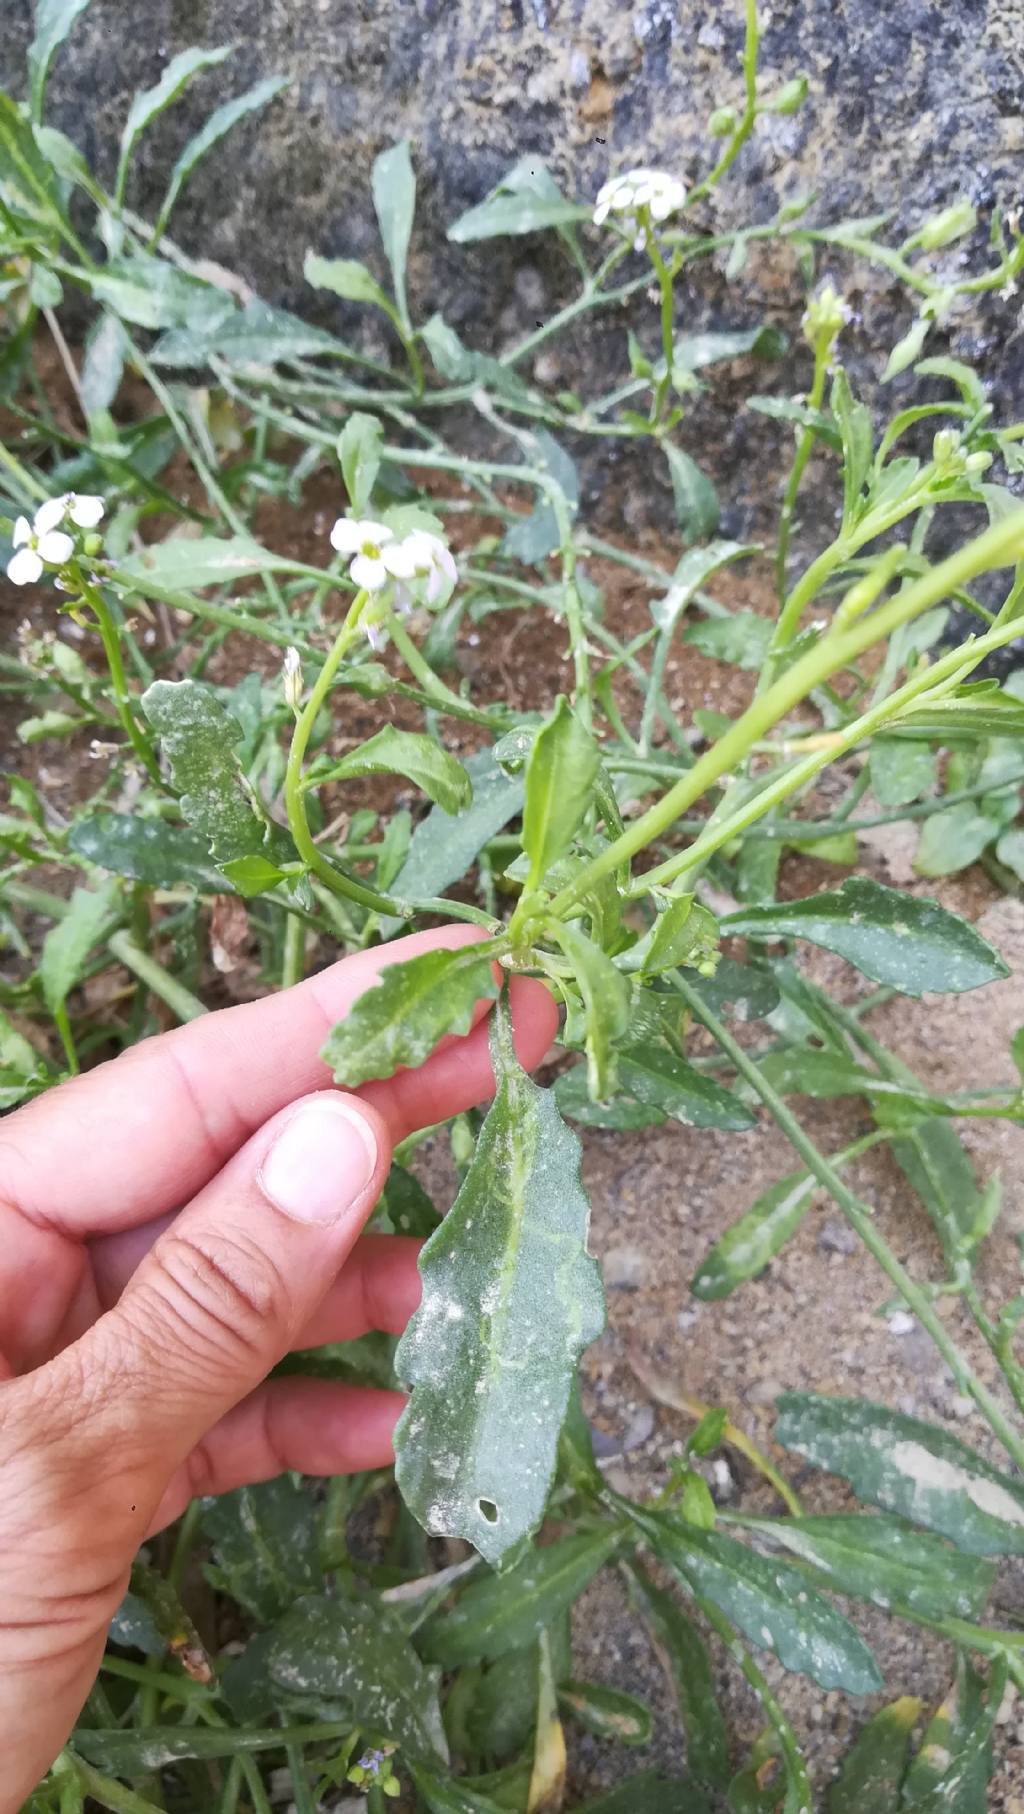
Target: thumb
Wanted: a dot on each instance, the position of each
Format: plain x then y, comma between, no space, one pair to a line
224,1292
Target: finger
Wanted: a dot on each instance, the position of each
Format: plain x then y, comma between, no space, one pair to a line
377,1288
145,1132
312,1425
220,1298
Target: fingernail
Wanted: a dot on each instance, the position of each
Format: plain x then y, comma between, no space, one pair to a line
321,1161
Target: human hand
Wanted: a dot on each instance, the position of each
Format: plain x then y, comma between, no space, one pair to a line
171,1225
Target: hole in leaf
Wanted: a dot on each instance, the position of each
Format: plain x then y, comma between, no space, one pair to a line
488,1510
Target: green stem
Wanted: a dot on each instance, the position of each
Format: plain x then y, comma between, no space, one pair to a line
749,116
664,277
752,1674
861,1220
997,546
105,1791
63,1025
111,641
805,447
184,1004
188,1530
293,967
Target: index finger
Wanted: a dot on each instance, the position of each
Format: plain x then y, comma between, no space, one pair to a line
141,1135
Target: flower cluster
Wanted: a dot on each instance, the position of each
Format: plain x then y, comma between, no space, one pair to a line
636,197
379,559
44,542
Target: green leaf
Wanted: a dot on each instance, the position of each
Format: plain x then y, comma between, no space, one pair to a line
359,446
953,839
147,105
808,1071
951,1771
901,770
651,1792
869,1782
394,201
217,127
886,1561
532,538
103,365
507,1612
560,773
503,1712
786,409
347,278
694,496
906,941
743,992
22,1069
573,1098
451,1796
31,175
769,1601
402,1016
525,201
135,1753
252,876
491,1351
606,998
442,849
692,352
684,1657
264,1541
146,850
180,562
410,753
741,639
607,1712
693,570
858,442
667,1082
683,933
454,360
936,1165
749,1244
908,1467
198,737
53,21
906,350
972,712
91,915
357,1651
256,335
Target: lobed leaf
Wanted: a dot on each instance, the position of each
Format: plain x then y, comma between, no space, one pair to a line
511,1298
402,1016
906,1466
906,941
198,737
146,850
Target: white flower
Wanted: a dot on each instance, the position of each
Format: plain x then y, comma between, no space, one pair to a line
433,561
377,557
38,545
654,190
84,509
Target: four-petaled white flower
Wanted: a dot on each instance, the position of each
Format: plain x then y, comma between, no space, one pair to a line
433,561
654,190
43,543
377,557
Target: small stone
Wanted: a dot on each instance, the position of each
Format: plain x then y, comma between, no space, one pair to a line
688,1319
907,1403
902,1323
639,1429
764,1391
624,1268
961,1406
835,1237
721,1478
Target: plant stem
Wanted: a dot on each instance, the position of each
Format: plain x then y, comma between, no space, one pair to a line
104,1790
805,447
664,277
293,967
752,1674
994,548
185,1005
111,641
861,1220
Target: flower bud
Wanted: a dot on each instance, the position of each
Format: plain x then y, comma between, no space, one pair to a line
977,462
943,228
945,446
825,315
291,676
790,98
722,122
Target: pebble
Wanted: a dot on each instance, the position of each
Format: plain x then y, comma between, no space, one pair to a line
624,1268
639,1429
902,1323
688,1319
835,1237
961,1406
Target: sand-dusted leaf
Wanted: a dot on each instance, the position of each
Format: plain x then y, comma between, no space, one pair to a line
526,200
358,1652
746,1247
684,1657
774,1778
885,1560
606,997
198,736
559,775
623,1114
906,941
936,1164
504,1612
401,1017
769,1601
906,1466
607,1712
394,201
92,913
684,933
869,1781
550,1759
134,1752
359,445
217,127
264,1541
854,421
654,1793
391,751
695,498
951,1769
667,1082
53,21
146,850
742,639
255,335
902,769
503,1709
511,1298
151,102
